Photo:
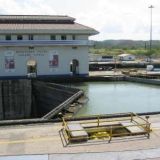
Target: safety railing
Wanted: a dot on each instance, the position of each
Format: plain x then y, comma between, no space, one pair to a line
107,128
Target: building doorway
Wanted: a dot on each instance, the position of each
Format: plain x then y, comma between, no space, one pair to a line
31,68
74,67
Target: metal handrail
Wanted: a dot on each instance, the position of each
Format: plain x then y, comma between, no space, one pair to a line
109,134
105,115
109,129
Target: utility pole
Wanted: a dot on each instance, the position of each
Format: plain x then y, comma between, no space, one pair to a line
115,65
150,44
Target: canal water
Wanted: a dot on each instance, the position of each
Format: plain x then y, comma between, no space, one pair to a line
119,97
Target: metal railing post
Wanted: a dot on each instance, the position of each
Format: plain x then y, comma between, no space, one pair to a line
110,134
98,121
148,130
131,117
63,122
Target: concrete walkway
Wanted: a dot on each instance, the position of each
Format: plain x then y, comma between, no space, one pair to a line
105,73
153,154
43,142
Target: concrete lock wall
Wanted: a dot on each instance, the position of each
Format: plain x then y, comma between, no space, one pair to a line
1,107
24,99
13,60
49,96
15,99
142,80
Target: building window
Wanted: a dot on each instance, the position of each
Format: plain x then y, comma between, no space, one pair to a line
73,37
63,37
30,37
8,37
19,37
52,37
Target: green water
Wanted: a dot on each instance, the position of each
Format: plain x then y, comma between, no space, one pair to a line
119,97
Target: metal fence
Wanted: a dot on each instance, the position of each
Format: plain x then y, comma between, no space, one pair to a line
107,128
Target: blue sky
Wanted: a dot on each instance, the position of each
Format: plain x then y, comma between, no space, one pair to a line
114,19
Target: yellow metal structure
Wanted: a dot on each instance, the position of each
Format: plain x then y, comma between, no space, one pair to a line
107,128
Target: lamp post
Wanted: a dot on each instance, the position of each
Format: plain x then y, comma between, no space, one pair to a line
150,44
115,65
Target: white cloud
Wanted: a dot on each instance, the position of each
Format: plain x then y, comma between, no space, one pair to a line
115,19
26,7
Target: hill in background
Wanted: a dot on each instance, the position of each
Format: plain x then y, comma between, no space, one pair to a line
116,47
126,44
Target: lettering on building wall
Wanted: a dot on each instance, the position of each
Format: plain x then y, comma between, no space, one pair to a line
9,61
53,59
31,53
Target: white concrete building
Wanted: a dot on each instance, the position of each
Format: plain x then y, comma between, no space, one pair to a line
126,57
43,45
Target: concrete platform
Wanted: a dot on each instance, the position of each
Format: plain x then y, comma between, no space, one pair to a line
31,141
77,132
133,129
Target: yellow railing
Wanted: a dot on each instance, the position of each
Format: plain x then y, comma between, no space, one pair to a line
105,127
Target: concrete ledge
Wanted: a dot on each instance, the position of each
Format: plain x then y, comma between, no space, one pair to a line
77,132
142,80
